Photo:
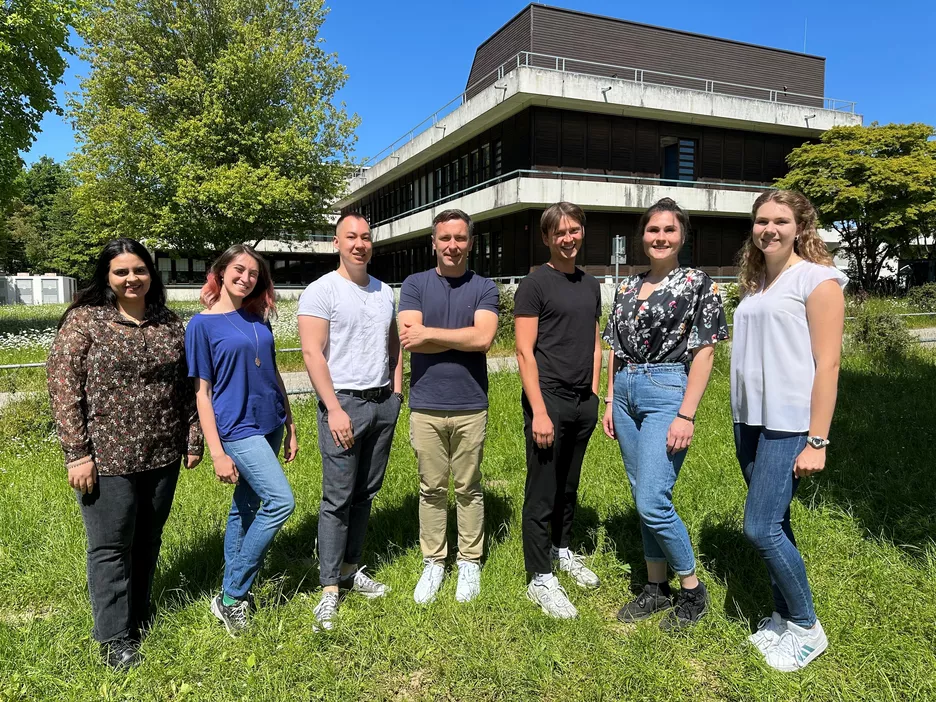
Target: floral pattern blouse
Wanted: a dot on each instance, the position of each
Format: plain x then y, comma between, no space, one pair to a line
684,313
120,392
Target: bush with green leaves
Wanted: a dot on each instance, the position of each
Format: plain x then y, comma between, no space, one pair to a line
923,297
505,317
731,296
881,333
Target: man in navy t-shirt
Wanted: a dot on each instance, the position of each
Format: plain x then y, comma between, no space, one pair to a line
448,318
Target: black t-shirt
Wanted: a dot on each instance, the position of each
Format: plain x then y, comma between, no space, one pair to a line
568,306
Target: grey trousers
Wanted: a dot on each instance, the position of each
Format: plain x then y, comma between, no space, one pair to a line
351,479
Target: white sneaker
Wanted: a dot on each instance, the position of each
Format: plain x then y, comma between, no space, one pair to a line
552,598
769,631
575,566
325,611
367,586
469,581
797,647
429,582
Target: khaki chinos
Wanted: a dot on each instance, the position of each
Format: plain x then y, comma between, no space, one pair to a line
449,442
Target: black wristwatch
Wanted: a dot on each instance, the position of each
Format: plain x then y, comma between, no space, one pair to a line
817,442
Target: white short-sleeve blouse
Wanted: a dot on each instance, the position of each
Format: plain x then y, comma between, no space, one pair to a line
772,364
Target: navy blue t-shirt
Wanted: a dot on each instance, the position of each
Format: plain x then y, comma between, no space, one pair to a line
451,380
222,349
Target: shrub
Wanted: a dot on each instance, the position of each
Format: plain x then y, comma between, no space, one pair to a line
505,318
731,296
881,333
923,297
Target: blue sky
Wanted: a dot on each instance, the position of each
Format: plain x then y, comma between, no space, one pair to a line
407,59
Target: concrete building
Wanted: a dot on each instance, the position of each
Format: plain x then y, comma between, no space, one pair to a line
606,113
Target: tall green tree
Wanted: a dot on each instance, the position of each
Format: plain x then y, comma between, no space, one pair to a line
33,38
209,122
875,186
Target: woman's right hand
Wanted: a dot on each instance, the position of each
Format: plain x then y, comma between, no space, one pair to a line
82,477
607,423
225,469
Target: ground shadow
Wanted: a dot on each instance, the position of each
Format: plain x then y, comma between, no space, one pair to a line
880,463
725,553
196,571
623,529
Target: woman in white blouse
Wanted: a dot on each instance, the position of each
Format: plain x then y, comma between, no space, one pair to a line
784,374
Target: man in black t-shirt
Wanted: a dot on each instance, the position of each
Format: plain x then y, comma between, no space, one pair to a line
557,308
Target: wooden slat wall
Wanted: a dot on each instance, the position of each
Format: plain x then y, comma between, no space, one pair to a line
506,43
623,43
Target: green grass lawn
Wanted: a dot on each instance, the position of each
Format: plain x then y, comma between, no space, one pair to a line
865,527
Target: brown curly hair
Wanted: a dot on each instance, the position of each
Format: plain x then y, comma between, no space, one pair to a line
808,244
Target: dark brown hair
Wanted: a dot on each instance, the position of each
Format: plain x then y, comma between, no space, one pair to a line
666,205
549,222
449,215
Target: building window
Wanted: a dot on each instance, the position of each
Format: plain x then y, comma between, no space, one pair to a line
485,162
498,158
679,158
475,167
437,190
463,173
410,195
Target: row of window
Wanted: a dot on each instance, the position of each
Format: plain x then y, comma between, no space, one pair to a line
461,173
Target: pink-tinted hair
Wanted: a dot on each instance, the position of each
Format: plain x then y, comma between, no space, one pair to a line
262,299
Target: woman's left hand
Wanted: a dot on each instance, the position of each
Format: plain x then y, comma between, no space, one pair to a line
290,445
192,460
679,435
809,461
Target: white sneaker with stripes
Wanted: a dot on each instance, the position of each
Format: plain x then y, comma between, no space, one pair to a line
797,647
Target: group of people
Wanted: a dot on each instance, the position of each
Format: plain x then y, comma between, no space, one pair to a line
135,395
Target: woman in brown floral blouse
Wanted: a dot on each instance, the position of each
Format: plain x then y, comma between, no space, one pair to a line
125,413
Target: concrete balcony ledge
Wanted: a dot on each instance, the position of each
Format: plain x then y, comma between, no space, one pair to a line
523,193
526,85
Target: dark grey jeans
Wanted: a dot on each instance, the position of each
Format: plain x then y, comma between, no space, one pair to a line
351,479
124,516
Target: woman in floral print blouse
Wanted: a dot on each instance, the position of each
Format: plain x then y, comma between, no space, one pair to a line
125,414
662,332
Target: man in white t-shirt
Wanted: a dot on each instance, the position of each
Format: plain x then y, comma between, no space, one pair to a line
353,356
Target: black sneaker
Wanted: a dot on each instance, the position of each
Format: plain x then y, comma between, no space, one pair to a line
690,607
120,654
234,617
650,601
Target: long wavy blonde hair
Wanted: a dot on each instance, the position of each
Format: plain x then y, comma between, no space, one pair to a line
808,244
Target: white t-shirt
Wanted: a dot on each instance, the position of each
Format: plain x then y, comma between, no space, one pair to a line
772,365
359,320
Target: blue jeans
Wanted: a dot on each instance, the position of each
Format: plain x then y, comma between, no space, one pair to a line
767,459
262,503
646,400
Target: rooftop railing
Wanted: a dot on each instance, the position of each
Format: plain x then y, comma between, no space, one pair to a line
548,62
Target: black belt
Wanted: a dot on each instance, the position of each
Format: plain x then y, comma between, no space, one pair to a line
369,394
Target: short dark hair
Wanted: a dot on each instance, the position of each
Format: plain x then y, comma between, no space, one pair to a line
449,215
347,215
549,222
667,204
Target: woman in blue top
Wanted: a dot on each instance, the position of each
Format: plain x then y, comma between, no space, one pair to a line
245,415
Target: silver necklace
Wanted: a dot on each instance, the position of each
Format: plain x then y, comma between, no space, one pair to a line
256,338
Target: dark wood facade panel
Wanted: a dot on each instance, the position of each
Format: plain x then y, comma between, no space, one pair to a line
506,43
576,35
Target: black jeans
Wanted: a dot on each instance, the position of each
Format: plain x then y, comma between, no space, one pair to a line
553,474
123,518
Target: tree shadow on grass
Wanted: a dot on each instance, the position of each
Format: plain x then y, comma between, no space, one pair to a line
196,570
880,467
727,554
